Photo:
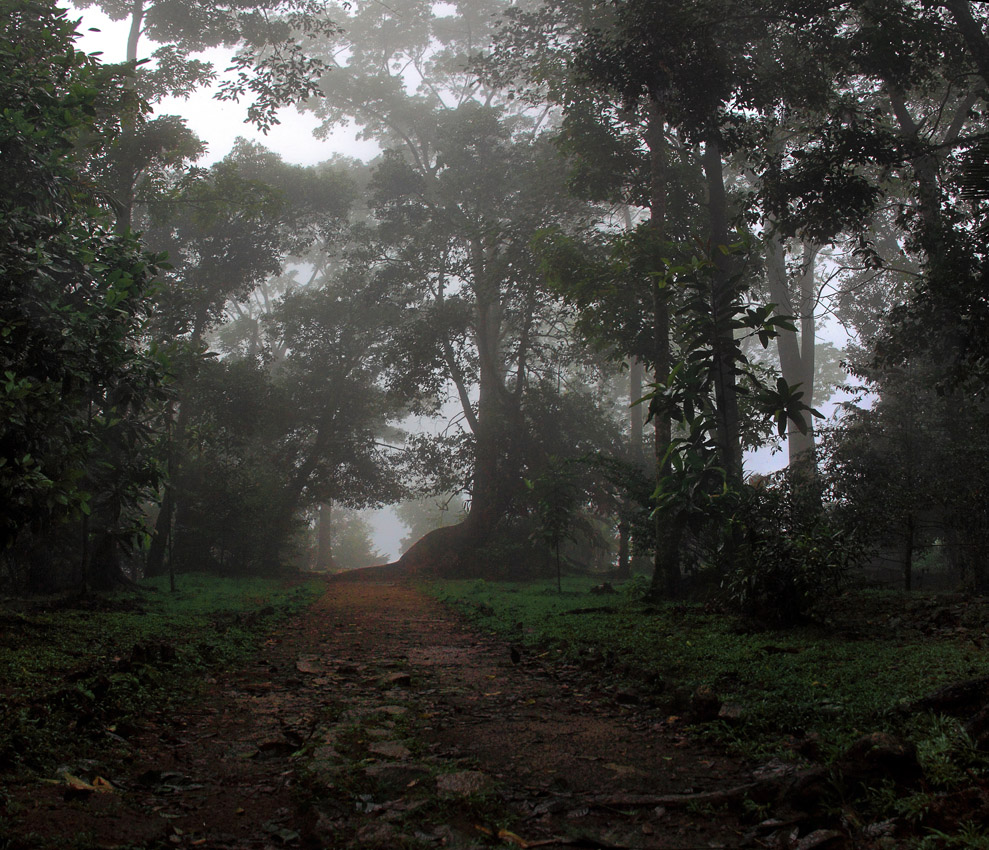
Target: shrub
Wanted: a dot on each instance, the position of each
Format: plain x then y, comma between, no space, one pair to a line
790,556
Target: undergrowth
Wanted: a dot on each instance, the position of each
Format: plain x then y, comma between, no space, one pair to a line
79,676
784,684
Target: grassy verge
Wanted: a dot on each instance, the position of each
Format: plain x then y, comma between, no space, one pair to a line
825,684
90,671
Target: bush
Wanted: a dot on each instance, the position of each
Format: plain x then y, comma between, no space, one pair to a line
791,554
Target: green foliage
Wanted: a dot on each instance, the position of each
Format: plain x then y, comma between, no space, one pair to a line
969,836
230,487
602,281
229,228
556,498
946,752
697,479
75,674
77,377
789,682
271,65
904,469
262,443
353,540
466,179
795,556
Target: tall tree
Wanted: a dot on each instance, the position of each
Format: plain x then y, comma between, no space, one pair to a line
463,186
74,297
794,293
227,230
698,77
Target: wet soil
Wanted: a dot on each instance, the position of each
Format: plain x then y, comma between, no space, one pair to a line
379,718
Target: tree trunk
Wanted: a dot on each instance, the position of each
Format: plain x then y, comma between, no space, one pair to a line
125,174
797,357
163,535
972,33
666,564
908,549
492,441
723,343
624,570
324,538
42,574
160,535
105,570
497,427
626,562
636,419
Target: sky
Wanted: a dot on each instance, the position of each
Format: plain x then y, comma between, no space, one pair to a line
219,123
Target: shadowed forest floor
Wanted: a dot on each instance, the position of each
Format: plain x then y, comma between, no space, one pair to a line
378,718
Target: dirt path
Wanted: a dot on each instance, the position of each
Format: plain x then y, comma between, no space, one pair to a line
379,719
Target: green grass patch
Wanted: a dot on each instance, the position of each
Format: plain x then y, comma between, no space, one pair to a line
94,668
785,683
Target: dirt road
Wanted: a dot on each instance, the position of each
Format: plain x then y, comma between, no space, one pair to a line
379,719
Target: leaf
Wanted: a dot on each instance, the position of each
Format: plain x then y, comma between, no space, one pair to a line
76,783
99,785
510,837
102,785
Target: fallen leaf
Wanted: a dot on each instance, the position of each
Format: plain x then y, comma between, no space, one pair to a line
98,785
76,783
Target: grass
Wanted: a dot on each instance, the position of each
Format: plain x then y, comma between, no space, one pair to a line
92,669
784,683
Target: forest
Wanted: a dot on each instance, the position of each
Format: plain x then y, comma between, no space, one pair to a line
605,261
610,257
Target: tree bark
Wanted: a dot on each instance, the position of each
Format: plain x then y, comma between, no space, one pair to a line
908,549
797,357
972,33
723,343
324,538
666,563
491,440
497,426
163,534
624,570
636,374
